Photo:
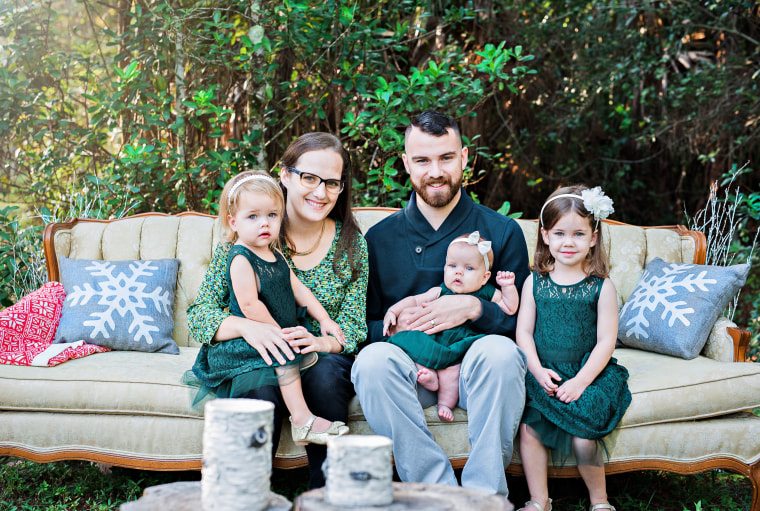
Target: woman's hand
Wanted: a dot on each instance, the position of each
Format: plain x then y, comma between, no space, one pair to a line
302,341
265,338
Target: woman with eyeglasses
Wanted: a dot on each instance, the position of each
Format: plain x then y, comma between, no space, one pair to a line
322,243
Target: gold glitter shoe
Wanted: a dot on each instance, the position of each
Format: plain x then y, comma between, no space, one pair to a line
304,435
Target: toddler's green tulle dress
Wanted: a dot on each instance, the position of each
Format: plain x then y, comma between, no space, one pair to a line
444,349
233,368
565,334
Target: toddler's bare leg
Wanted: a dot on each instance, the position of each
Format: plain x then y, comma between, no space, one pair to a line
448,391
427,377
292,394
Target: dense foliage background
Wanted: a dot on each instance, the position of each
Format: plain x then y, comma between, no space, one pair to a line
108,108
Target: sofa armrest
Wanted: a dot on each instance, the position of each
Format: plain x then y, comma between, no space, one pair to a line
741,338
727,342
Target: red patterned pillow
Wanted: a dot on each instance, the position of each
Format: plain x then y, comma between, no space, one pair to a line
28,327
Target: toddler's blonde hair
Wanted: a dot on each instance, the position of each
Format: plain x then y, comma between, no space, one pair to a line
254,181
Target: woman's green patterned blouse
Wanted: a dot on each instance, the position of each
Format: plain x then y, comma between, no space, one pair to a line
345,301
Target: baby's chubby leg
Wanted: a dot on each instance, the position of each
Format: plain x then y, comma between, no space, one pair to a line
448,391
428,378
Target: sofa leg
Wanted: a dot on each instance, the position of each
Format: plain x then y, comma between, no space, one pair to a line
754,477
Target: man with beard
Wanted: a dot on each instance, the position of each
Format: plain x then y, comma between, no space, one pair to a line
407,252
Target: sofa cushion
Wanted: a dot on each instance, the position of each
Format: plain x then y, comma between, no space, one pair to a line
668,389
675,305
117,382
122,305
664,389
735,436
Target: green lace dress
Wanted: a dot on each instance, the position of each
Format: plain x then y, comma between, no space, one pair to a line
565,334
233,368
444,349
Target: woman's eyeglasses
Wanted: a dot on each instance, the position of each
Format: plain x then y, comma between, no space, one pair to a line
312,181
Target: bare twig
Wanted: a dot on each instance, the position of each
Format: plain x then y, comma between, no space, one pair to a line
720,224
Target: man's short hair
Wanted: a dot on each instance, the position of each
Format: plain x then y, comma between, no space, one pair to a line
433,123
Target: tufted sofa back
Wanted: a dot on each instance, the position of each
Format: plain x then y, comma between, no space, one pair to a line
191,237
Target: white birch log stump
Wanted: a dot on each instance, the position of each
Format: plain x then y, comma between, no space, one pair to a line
358,471
237,455
186,496
414,497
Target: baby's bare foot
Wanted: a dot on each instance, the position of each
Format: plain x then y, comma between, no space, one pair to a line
445,413
428,379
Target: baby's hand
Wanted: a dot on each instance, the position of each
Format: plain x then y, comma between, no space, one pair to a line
388,321
330,327
505,278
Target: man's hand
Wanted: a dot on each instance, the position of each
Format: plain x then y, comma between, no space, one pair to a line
440,314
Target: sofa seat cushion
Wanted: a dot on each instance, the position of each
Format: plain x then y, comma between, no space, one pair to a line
735,437
664,389
667,389
117,382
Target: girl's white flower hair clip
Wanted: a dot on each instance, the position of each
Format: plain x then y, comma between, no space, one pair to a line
596,202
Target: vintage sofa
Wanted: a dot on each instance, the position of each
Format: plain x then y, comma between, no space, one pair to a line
130,409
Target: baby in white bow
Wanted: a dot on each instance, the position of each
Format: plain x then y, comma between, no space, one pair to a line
436,349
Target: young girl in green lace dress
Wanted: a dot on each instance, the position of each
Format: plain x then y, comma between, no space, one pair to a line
263,288
567,327
438,356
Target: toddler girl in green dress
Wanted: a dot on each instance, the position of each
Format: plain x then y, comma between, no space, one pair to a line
263,288
567,327
438,356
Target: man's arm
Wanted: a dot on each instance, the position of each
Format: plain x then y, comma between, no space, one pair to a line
375,312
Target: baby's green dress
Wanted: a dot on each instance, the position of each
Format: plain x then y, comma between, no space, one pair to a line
444,349
565,334
232,368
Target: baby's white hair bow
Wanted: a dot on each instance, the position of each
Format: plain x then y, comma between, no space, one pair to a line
484,247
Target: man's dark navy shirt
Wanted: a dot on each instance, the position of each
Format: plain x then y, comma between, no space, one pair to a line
407,256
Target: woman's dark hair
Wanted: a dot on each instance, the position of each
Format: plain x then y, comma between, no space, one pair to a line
318,141
596,263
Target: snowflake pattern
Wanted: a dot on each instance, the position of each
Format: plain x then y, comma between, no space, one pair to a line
123,294
653,292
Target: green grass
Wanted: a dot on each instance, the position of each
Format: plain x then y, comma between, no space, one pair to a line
651,491
79,485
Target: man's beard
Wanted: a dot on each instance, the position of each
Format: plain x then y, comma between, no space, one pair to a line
440,198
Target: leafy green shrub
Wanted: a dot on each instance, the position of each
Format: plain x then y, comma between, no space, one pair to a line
22,264
163,110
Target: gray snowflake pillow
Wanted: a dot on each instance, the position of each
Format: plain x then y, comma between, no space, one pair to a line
674,306
122,305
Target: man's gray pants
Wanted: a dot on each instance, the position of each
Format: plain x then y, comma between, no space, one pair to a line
491,389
